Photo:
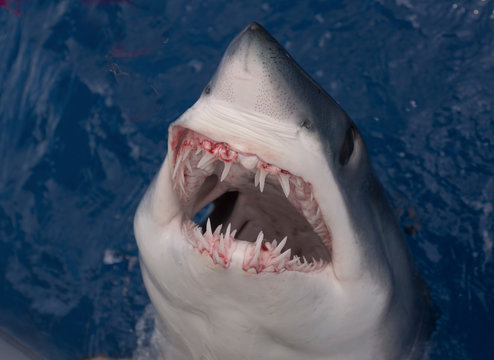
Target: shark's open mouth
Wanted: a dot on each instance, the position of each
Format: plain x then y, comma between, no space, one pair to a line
266,212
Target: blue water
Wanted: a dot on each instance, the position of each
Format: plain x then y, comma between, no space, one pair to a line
88,88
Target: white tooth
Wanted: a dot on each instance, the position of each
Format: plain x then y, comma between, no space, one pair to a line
187,164
218,230
181,181
186,152
180,159
228,228
217,257
257,249
181,176
256,178
295,262
259,239
262,178
311,196
274,243
206,160
177,164
281,258
198,150
319,228
200,240
204,243
226,170
318,211
234,232
208,228
222,243
285,183
278,249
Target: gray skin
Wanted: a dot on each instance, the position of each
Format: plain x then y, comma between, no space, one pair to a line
369,254
301,100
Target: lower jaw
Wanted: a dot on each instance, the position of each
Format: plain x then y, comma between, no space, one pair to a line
253,257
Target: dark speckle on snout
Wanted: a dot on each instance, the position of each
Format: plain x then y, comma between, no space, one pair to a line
207,89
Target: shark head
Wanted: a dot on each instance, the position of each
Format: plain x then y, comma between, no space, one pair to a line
299,254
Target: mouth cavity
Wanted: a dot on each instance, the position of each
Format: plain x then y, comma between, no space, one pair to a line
255,207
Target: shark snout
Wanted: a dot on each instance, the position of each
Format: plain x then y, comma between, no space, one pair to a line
252,35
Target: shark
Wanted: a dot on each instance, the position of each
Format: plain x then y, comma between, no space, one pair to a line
298,255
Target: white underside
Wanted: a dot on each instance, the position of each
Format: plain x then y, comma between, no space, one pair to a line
208,312
213,313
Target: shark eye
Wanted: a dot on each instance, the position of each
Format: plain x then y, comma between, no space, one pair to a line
348,145
207,89
306,123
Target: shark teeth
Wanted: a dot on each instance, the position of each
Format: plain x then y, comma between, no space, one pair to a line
284,182
254,261
259,256
218,246
205,155
206,161
260,178
199,157
226,170
278,248
283,258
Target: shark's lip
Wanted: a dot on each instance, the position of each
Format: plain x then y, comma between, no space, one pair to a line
196,159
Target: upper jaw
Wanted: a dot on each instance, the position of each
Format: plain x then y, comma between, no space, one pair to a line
196,159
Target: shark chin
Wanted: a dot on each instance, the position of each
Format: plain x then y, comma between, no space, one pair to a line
299,255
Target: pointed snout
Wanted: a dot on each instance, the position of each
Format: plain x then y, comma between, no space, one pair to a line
258,75
253,32
255,40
